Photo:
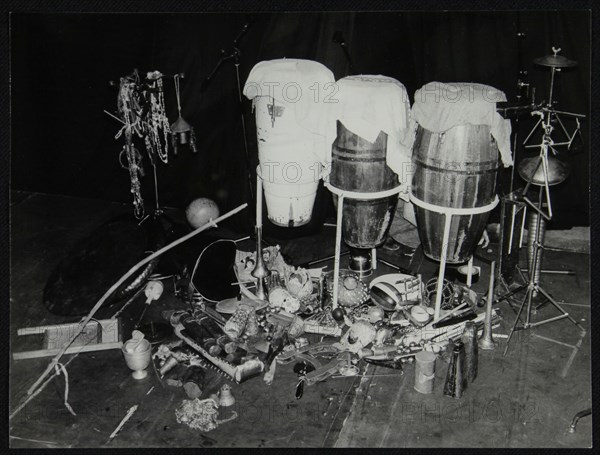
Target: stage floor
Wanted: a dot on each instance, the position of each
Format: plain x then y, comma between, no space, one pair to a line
526,399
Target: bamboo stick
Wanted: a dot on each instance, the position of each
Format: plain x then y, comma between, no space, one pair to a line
114,287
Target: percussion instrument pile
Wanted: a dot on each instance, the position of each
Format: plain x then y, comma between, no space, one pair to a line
368,146
361,137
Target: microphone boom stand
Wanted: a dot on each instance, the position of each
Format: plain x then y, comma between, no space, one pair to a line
235,57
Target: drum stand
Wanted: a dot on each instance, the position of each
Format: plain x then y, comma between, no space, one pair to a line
448,213
342,195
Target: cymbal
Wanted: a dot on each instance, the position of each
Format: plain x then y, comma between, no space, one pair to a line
556,61
557,171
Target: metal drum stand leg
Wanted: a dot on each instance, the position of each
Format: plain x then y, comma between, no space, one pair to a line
448,213
342,195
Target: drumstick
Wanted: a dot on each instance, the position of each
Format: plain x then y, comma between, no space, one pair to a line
123,422
454,310
394,266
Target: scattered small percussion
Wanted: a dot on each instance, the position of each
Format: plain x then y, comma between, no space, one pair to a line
447,293
391,290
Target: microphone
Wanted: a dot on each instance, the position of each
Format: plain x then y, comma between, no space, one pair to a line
338,38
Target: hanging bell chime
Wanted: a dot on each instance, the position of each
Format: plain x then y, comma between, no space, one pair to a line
182,133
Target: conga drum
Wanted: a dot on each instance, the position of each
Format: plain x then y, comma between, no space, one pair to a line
359,166
289,131
454,169
372,115
455,163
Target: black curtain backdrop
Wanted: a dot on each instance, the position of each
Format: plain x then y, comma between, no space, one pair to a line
61,65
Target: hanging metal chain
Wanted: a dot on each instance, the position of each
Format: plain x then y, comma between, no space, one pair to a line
156,119
141,106
129,109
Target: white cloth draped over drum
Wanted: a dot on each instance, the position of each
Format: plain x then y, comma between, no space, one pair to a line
440,106
295,84
455,157
370,123
369,104
291,123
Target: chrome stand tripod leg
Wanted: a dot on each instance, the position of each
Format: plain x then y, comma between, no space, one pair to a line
529,296
526,300
561,309
517,319
510,293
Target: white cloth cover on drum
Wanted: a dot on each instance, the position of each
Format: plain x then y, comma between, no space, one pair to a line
440,106
297,83
288,102
368,104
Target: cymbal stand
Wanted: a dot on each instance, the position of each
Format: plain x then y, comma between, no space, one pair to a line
531,286
548,116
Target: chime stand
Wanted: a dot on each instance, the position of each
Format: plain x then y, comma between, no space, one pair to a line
129,140
342,195
448,213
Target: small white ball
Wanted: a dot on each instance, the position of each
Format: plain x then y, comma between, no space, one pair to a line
200,211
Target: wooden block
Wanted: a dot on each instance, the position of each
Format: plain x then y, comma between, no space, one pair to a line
95,336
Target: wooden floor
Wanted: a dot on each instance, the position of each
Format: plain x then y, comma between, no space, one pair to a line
526,399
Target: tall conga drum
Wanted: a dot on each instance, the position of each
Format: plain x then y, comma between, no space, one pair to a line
372,114
290,134
359,166
455,157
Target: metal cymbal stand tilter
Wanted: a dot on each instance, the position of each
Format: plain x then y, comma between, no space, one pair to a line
529,170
